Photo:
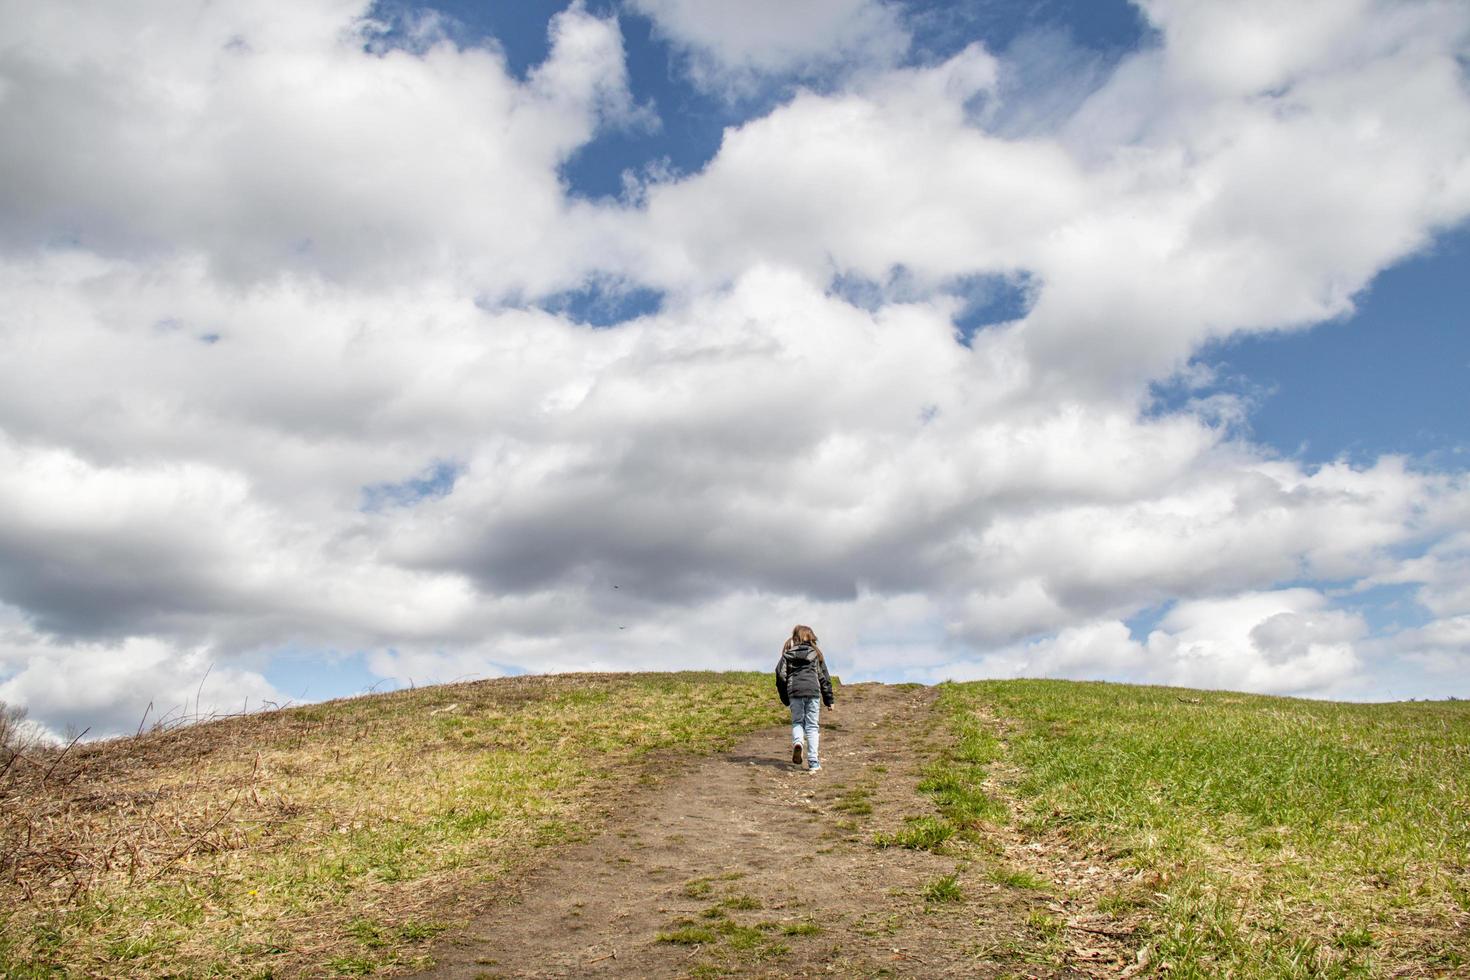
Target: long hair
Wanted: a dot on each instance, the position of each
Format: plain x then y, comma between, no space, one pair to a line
803,634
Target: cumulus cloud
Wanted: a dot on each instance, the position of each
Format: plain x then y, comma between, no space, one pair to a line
265,138
1283,642
732,48
1160,217
1442,647
110,688
277,365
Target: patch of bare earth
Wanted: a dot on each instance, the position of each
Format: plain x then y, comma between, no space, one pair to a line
745,865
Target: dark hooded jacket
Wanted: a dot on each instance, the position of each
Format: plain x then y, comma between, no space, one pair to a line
802,673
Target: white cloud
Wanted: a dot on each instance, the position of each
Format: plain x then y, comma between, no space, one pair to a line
1282,642
1256,46
110,689
1092,651
264,138
732,47
1442,647
1161,216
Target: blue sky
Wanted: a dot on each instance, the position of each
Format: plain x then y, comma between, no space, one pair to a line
353,346
1389,378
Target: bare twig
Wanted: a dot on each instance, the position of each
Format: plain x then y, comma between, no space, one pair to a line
167,721
254,769
200,693
1111,933
64,752
14,755
195,840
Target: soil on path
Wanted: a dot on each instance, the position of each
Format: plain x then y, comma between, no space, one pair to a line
746,865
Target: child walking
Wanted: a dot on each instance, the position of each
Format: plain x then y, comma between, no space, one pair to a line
801,679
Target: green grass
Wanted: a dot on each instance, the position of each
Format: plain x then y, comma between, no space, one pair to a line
698,888
349,827
800,929
732,946
945,888
953,782
1014,878
857,801
918,834
1272,836
742,937
688,936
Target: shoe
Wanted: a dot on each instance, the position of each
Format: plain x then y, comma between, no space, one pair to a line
814,769
796,754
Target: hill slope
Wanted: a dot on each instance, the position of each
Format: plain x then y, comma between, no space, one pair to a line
648,824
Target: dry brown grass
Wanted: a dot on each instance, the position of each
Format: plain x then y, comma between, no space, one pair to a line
330,839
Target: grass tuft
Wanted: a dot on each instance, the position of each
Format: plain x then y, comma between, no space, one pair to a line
857,801
919,834
943,889
1015,878
801,929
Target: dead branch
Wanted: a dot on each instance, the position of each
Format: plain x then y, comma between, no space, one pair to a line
196,839
1110,933
14,754
63,754
200,693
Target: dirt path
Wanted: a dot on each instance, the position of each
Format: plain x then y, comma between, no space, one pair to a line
745,865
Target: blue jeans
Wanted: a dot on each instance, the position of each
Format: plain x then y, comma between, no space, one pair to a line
805,714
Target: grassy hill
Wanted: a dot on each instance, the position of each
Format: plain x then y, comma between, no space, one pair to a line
331,839
1222,834
1242,835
